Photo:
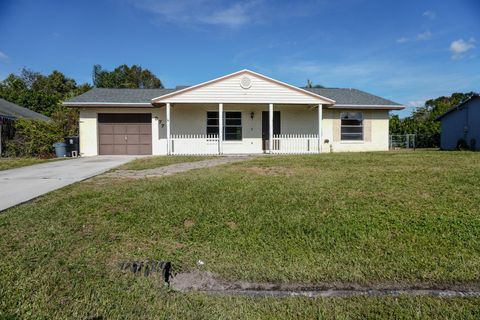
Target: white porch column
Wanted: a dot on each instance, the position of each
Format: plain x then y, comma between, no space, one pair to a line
220,128
167,120
270,127
320,117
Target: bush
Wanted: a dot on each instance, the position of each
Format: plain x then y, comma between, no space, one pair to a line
34,138
462,145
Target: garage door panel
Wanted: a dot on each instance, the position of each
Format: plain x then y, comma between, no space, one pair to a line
119,129
106,149
145,139
105,128
146,129
133,129
145,149
133,149
119,139
119,149
125,134
106,138
133,139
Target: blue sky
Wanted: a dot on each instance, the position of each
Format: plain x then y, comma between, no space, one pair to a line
407,51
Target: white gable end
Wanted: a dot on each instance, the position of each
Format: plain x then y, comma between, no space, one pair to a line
243,87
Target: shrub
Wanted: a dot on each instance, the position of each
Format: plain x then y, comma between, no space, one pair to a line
462,145
34,138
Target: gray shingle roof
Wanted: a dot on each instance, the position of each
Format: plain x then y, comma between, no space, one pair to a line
341,96
99,95
352,97
13,111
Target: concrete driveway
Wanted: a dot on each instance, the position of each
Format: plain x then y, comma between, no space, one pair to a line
26,183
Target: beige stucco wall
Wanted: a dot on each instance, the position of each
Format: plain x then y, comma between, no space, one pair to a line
375,131
295,119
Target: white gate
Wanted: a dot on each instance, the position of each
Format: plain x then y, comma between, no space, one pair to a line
295,143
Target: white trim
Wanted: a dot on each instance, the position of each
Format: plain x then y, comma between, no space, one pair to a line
320,117
161,99
220,128
270,127
167,120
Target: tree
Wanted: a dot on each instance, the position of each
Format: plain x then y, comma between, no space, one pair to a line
125,77
40,93
423,120
311,85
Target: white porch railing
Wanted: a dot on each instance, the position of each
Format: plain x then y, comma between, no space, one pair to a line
295,143
194,144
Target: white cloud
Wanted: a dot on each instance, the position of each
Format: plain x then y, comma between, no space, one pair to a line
3,56
419,37
424,35
460,47
429,14
206,12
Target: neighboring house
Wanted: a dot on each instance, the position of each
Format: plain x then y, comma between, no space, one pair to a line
257,115
9,112
461,122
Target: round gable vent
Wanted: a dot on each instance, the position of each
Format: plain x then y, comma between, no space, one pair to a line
245,82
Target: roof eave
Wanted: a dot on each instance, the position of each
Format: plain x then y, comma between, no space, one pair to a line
108,104
368,106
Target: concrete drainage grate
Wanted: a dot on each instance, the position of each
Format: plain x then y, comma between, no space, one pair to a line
149,266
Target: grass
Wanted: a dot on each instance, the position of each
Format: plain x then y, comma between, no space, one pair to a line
364,218
159,161
10,163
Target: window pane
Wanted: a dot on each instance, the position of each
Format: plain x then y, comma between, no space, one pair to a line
212,122
351,116
233,122
351,126
237,115
351,122
352,129
212,130
354,136
212,114
233,133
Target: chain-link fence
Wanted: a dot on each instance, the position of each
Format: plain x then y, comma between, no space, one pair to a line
414,141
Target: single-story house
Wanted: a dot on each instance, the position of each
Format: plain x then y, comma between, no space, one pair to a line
243,112
461,122
9,112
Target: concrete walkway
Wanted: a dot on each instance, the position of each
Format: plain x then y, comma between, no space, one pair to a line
176,168
26,183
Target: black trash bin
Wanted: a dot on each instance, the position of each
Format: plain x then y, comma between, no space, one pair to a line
73,144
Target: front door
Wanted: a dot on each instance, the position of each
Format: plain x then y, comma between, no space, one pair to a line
265,127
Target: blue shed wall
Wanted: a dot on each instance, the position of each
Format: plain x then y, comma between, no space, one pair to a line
453,125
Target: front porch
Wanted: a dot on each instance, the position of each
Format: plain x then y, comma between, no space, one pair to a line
209,129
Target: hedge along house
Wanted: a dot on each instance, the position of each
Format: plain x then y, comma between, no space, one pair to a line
9,113
243,112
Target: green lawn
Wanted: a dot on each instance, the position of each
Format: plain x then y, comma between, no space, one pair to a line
10,163
370,218
159,161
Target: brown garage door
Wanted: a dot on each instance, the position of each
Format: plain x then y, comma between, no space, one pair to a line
125,133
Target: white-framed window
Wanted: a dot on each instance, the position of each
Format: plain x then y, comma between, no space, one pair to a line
232,124
351,127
